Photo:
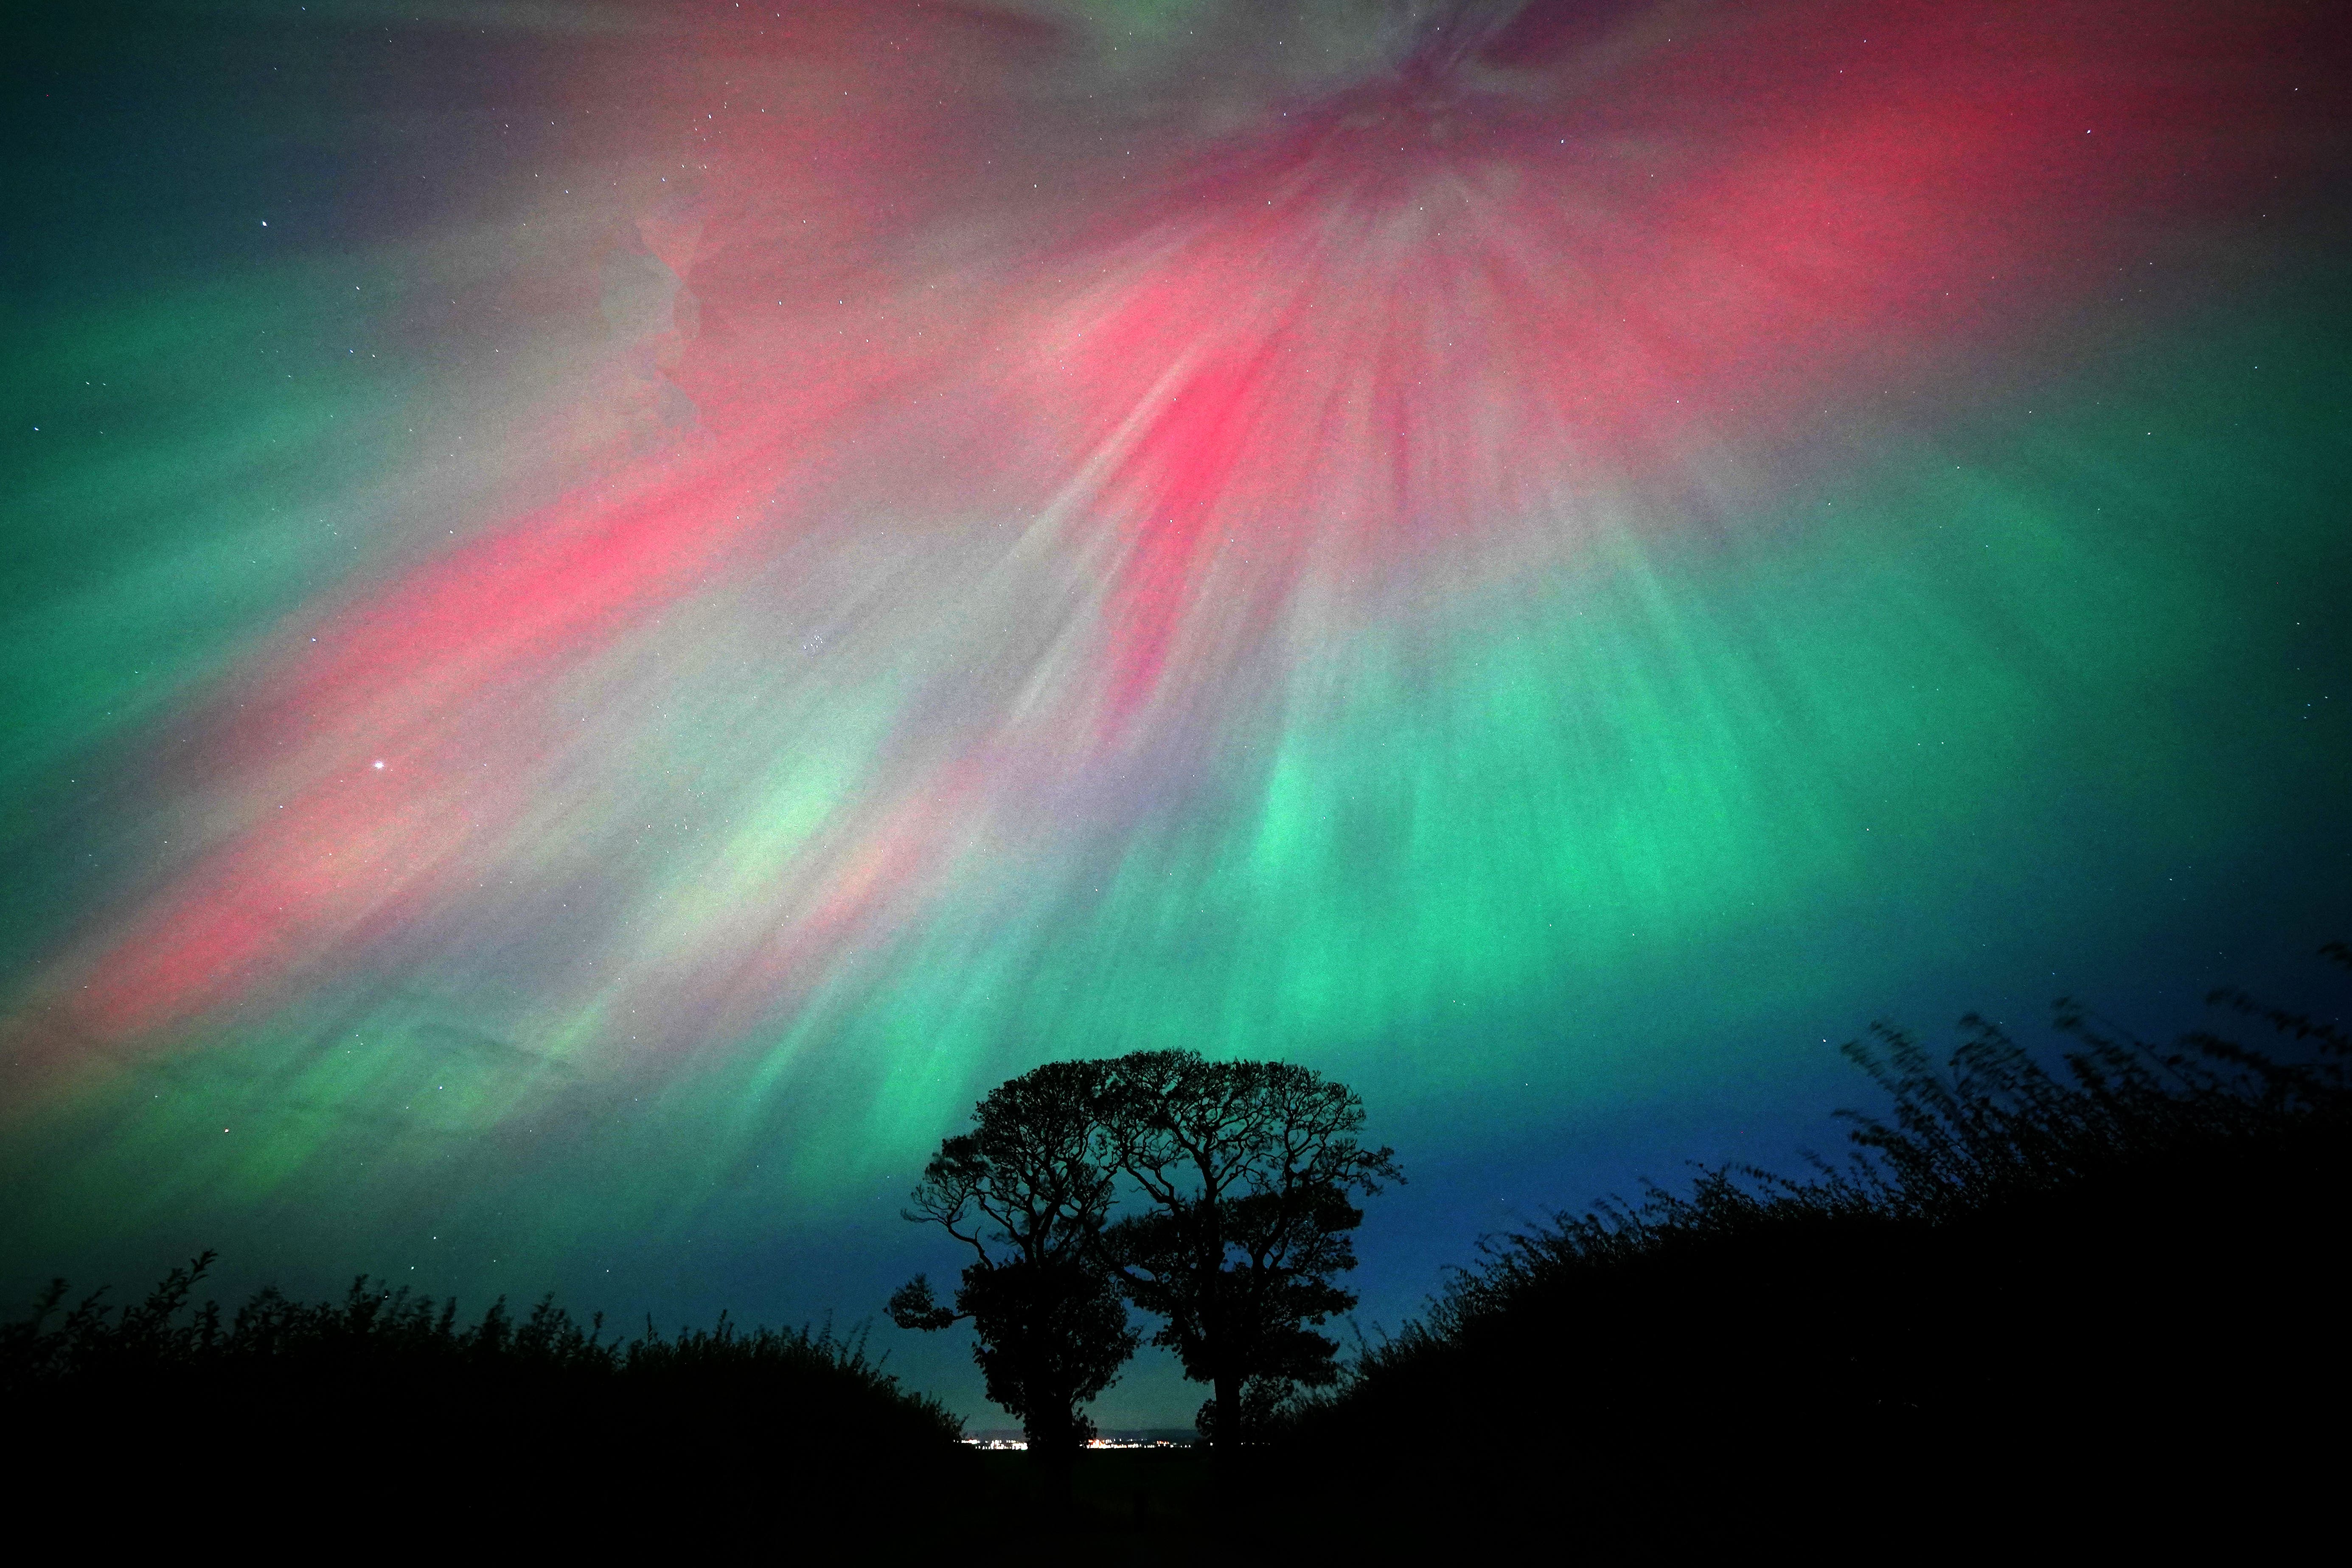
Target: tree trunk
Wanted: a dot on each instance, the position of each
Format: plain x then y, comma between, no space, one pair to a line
1227,1386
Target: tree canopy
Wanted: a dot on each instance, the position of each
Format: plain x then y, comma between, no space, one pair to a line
1238,1179
1028,1190
1249,1168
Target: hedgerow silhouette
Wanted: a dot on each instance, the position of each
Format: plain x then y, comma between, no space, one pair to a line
387,1404
377,1332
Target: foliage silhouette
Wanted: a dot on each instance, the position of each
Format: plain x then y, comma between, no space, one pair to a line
1028,1190
2114,1269
361,1399
1244,1172
1249,1168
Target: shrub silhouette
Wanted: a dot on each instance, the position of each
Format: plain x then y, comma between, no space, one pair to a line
2111,1274
386,1397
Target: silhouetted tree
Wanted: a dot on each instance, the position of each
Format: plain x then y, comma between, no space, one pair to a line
1029,1190
1250,1168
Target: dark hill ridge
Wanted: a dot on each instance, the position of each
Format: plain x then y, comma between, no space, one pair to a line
2111,1285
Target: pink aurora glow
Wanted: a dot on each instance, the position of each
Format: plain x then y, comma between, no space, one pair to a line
1152,406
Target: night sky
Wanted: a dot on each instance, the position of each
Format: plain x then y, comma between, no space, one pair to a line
610,611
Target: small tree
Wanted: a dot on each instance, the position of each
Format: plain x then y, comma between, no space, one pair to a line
1028,1190
1250,1167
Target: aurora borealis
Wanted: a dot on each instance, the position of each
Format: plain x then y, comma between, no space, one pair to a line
612,611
